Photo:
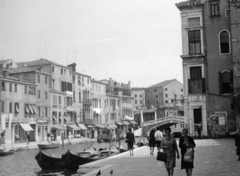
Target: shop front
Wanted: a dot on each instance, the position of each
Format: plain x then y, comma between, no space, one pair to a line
83,129
57,131
73,131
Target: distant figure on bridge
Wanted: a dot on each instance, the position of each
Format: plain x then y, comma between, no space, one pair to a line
237,143
152,141
169,145
158,138
187,145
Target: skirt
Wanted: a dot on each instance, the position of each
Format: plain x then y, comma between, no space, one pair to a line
152,143
171,161
130,145
186,165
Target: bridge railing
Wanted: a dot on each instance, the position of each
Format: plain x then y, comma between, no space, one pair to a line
175,119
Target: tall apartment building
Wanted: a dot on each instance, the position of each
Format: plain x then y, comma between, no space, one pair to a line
62,111
210,30
139,98
17,106
41,80
164,93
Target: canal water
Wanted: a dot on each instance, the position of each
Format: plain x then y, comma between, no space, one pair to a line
23,163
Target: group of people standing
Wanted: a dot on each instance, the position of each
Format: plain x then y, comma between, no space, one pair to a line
169,145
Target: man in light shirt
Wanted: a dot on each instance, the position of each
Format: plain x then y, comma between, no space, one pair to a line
158,137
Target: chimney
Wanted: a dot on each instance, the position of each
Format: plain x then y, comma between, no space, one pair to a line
1,69
129,84
73,66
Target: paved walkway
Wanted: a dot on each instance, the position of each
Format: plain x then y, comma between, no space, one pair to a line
33,145
212,158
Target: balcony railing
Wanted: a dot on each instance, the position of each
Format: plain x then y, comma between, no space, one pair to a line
87,102
196,85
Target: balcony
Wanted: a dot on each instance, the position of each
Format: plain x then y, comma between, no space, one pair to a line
87,102
88,121
196,86
69,94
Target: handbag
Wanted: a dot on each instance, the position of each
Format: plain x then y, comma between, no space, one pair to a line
126,141
162,156
188,156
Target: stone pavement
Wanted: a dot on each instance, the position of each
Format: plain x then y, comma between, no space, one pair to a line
33,145
213,157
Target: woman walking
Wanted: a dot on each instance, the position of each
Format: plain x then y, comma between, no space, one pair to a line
169,146
130,139
187,145
237,143
152,142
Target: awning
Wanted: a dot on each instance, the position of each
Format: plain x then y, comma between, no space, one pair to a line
26,127
119,123
132,122
27,109
57,127
30,108
54,117
82,126
125,122
75,127
91,126
65,116
113,126
99,125
34,109
17,107
60,116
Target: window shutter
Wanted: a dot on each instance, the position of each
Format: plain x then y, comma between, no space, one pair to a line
220,82
203,85
189,86
231,82
62,86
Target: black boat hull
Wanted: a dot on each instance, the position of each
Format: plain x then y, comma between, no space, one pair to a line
49,162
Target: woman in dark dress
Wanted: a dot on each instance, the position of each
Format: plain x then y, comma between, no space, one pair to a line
187,143
152,142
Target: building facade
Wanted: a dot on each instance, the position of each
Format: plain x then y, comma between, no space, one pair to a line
207,65
139,98
164,93
41,79
18,107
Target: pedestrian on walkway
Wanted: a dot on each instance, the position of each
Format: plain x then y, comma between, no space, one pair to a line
158,138
187,144
199,130
130,139
28,139
237,143
152,141
169,146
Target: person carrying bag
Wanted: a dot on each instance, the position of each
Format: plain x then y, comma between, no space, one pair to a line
187,145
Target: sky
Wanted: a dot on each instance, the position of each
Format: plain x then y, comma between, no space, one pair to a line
126,40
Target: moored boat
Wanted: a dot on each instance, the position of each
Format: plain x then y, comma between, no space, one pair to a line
49,162
73,161
6,152
48,146
91,151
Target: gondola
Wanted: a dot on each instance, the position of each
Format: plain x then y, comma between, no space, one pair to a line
49,162
48,146
6,152
73,161
121,149
91,151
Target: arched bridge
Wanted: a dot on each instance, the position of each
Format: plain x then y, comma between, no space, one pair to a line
161,123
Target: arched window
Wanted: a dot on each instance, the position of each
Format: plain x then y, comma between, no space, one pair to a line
226,81
224,42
